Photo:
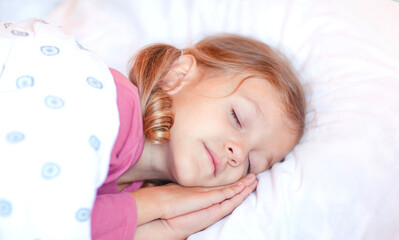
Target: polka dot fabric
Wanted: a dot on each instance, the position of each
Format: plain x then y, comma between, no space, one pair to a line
58,123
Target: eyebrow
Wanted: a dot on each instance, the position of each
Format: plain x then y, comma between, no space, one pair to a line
257,108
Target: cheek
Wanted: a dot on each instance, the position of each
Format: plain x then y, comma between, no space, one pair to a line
197,119
181,168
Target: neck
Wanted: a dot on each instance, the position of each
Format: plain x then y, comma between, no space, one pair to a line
153,164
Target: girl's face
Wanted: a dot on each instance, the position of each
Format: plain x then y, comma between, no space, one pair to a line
217,139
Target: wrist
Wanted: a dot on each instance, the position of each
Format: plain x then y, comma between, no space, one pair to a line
155,230
148,206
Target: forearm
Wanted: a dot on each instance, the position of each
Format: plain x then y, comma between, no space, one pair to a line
155,230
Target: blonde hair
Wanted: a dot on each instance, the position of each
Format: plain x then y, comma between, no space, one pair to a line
224,54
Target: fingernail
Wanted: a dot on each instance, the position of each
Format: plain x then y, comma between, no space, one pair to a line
251,175
239,183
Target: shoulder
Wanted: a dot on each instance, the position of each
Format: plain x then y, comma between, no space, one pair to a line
123,85
129,142
128,99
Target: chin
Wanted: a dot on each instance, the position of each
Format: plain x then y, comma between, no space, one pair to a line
186,181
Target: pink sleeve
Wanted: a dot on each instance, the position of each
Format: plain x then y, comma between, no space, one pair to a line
114,214
115,217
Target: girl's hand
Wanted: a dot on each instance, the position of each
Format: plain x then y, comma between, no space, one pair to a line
172,200
182,226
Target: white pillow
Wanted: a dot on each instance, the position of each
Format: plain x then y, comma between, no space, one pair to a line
341,181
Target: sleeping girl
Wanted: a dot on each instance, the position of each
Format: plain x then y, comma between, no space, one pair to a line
207,118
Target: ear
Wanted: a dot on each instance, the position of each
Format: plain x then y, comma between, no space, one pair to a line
183,70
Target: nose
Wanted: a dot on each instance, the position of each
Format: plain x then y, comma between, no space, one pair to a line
235,153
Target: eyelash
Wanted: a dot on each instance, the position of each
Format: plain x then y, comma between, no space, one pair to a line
233,113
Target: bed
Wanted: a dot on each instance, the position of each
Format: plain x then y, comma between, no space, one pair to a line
341,180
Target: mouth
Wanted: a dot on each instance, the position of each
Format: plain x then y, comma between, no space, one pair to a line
213,159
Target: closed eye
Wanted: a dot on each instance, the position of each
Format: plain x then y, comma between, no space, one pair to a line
233,113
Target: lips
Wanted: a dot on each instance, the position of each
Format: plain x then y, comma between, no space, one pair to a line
214,159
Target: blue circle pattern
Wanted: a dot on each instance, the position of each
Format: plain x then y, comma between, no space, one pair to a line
83,214
50,50
15,137
94,142
5,208
25,81
19,33
54,102
50,171
94,82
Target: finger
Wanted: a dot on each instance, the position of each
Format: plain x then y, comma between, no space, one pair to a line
208,216
194,199
253,185
247,180
217,195
188,200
